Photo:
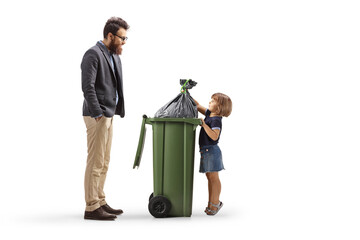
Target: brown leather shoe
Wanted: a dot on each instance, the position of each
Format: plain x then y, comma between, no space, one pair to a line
110,210
99,214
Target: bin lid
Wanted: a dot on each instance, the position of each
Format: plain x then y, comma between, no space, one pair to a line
140,147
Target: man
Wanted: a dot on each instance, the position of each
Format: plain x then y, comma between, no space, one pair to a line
101,77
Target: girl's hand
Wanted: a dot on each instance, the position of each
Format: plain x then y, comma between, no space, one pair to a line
203,122
200,108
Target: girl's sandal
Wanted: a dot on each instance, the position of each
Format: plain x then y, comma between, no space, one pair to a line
210,212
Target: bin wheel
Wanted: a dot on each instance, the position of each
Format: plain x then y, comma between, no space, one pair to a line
151,196
159,206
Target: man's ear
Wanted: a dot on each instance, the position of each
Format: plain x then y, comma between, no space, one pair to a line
109,36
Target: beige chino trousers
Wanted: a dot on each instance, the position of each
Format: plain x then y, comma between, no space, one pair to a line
99,138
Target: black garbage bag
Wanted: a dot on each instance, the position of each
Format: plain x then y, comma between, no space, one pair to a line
183,106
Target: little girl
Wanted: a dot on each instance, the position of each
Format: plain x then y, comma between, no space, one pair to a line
211,159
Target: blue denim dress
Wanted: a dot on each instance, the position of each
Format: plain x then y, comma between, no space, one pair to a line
211,159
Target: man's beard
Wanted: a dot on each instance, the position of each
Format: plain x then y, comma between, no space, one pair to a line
115,49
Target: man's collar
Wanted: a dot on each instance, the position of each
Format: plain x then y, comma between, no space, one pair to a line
104,47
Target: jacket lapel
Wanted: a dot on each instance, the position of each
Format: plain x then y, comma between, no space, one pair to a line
117,66
106,55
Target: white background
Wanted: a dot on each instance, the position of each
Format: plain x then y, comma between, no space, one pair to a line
290,147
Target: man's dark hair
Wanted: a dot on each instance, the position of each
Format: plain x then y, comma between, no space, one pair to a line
113,25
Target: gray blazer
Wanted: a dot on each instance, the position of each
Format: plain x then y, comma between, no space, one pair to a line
100,82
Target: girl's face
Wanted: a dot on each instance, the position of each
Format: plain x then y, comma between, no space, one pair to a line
213,106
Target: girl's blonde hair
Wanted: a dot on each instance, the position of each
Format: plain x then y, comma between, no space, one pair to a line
224,104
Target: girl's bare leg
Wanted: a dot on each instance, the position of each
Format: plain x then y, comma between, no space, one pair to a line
214,186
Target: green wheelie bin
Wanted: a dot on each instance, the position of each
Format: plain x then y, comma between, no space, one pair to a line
173,164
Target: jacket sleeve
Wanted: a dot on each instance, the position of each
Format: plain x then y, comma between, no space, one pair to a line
89,67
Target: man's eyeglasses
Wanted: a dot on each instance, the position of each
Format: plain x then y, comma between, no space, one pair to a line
122,38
